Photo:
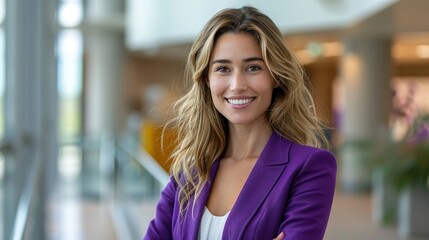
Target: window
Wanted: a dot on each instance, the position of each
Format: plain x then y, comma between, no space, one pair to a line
70,62
69,83
2,67
70,78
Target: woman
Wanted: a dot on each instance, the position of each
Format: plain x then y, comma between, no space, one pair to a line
247,165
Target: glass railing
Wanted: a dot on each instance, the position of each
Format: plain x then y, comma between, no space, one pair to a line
22,195
131,187
139,180
29,212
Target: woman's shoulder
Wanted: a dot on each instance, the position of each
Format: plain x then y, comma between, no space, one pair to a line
304,152
311,149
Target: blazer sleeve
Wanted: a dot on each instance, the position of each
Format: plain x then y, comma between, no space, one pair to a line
161,226
312,193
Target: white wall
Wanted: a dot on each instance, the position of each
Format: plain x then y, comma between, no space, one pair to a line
153,23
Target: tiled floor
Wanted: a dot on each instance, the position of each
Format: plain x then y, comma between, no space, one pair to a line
351,220
74,217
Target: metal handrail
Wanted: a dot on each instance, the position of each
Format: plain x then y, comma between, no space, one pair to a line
25,200
125,225
149,163
153,167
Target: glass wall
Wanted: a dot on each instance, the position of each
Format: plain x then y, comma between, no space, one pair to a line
70,62
2,80
2,102
70,87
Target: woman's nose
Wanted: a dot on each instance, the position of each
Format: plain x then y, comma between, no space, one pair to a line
238,82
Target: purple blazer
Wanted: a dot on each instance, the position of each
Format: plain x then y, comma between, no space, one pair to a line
290,190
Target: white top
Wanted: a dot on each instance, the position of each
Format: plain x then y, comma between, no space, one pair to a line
211,227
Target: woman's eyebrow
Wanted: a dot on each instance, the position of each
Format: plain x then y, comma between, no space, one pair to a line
250,59
221,61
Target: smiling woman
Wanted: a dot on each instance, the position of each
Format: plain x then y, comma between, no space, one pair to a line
240,83
247,164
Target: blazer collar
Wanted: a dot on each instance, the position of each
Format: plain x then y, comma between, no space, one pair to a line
267,170
264,175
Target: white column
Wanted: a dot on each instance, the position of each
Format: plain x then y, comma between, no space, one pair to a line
104,48
365,70
104,104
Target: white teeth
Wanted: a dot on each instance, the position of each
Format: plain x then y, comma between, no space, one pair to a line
239,101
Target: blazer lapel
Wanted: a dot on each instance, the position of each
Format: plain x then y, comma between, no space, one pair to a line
263,177
192,222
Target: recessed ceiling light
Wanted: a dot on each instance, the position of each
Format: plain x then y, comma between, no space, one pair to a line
422,51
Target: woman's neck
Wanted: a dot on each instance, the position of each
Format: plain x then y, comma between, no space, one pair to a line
247,142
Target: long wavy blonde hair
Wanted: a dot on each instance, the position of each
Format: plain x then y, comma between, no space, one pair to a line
202,130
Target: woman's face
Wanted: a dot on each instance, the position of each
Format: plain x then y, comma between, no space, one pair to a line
239,80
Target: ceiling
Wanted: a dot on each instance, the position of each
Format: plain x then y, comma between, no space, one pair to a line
406,22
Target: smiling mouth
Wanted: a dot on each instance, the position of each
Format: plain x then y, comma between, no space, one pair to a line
242,101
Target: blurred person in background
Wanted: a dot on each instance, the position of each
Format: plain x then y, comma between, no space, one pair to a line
248,162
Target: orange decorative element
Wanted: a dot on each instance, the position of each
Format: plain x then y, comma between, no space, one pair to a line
158,146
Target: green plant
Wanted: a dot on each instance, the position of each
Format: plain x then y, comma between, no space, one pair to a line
406,161
408,164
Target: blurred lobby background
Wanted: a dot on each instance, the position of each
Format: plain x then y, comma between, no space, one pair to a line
85,87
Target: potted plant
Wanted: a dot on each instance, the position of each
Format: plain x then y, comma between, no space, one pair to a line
405,167
409,170
401,159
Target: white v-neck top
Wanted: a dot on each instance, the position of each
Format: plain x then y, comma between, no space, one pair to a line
211,227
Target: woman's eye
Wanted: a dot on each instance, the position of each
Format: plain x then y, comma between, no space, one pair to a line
222,69
253,68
